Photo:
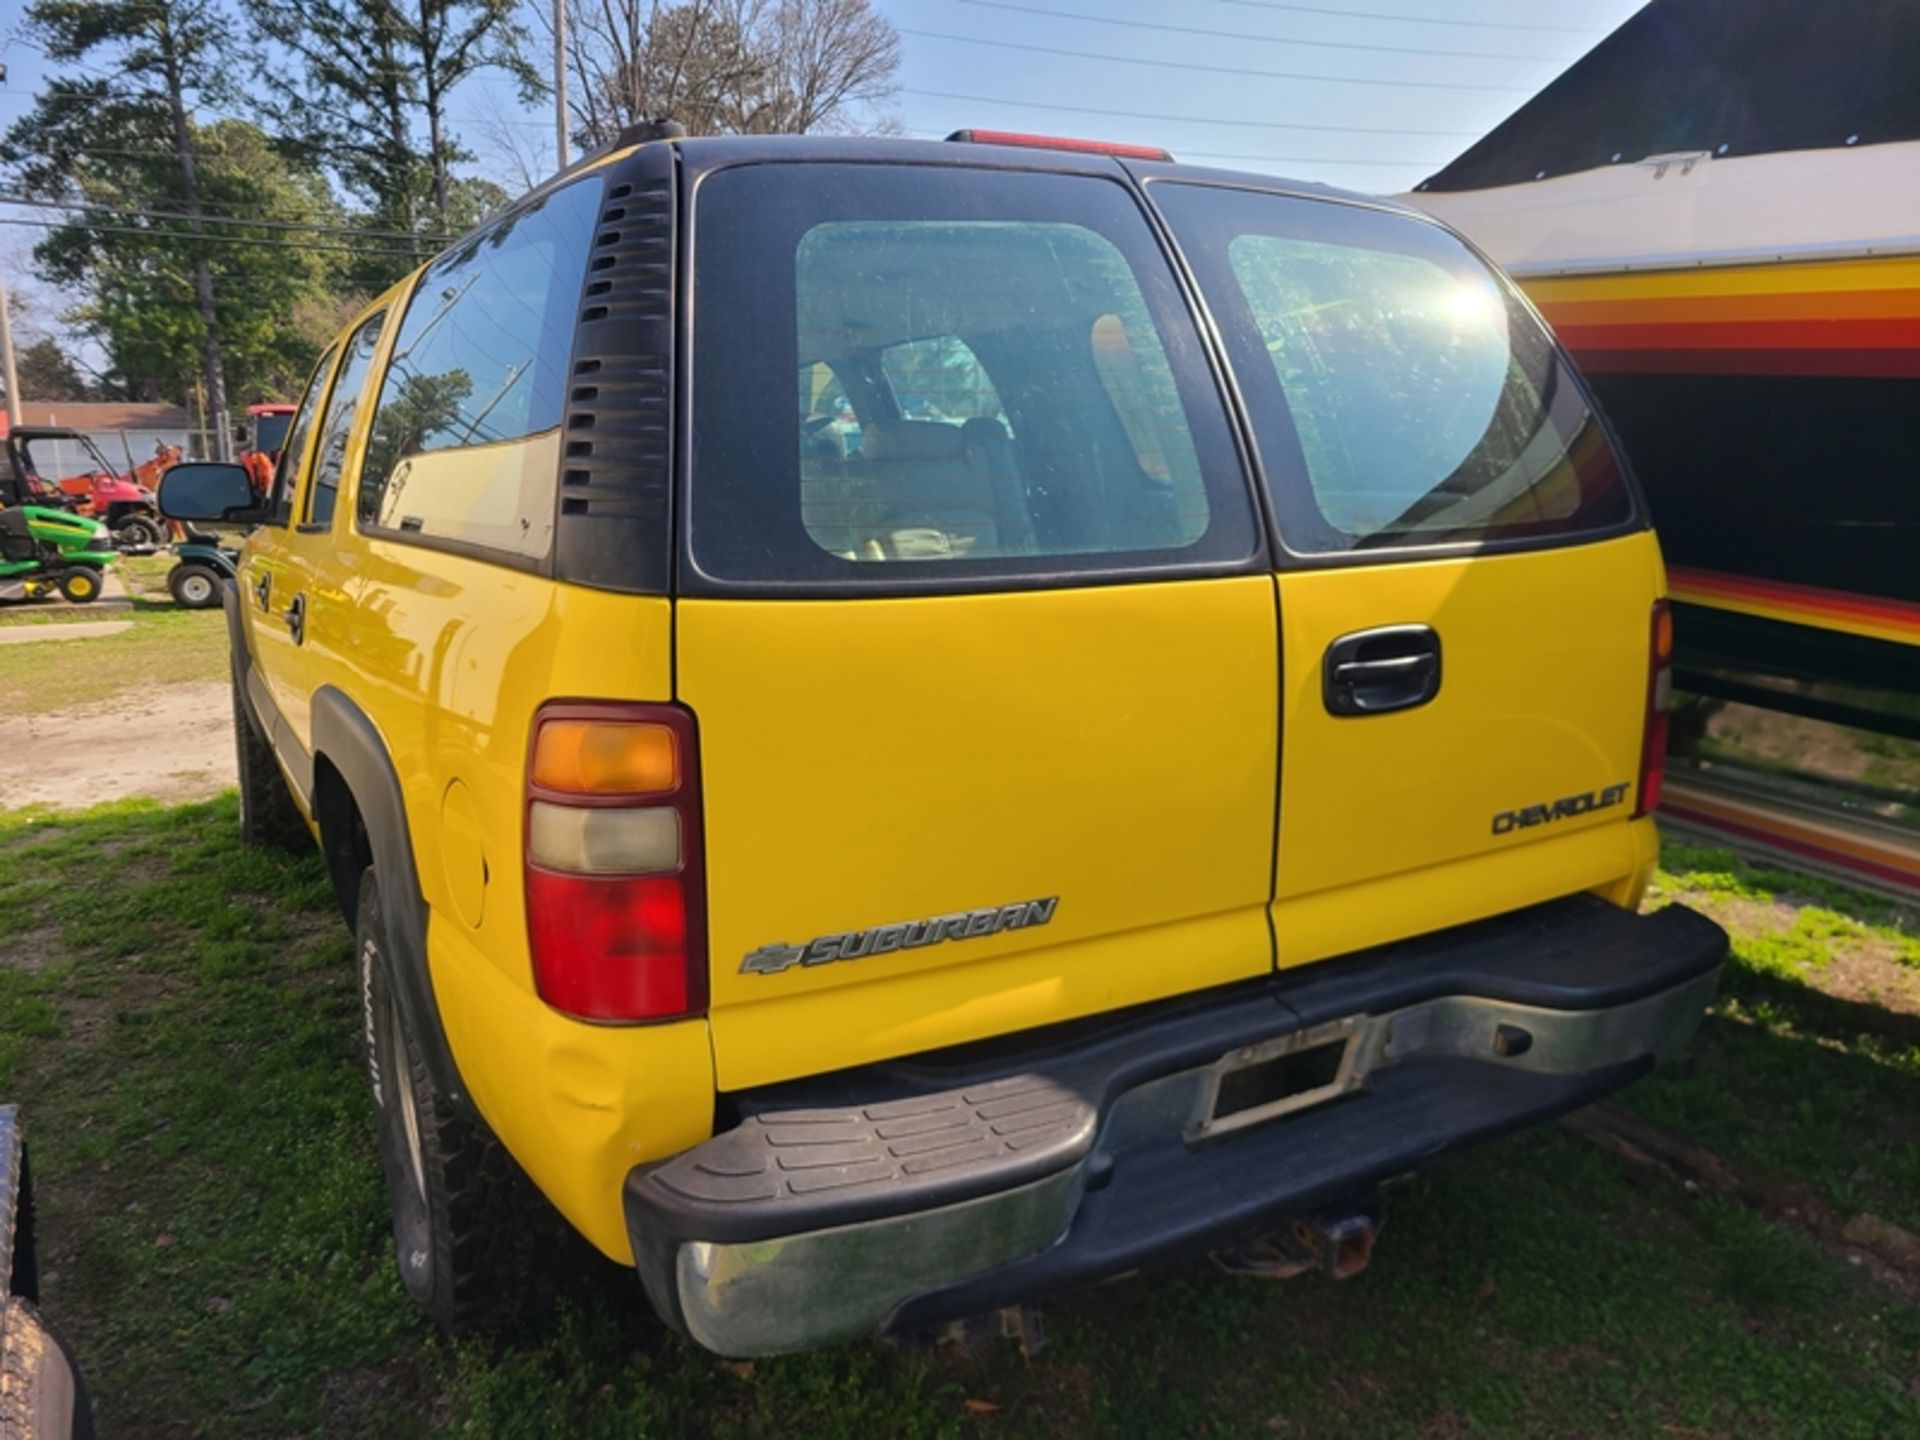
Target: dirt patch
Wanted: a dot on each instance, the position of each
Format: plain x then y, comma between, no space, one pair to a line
1872,972
32,950
170,742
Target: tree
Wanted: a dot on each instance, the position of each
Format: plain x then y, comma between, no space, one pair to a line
728,66
377,72
147,65
47,372
138,267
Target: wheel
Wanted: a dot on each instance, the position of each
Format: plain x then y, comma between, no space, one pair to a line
139,532
80,584
194,586
268,816
465,1217
41,1397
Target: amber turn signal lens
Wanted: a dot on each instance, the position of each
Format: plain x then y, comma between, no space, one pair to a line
1662,635
604,757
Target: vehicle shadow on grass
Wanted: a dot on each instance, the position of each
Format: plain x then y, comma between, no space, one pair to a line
177,1015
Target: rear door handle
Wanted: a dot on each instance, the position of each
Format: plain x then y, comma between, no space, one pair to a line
297,619
263,589
1375,672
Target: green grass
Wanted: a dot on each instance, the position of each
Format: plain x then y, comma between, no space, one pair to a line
166,646
1793,1084
177,1016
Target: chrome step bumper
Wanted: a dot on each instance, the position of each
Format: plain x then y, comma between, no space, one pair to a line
902,1195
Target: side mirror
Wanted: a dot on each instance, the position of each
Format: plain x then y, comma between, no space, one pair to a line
211,493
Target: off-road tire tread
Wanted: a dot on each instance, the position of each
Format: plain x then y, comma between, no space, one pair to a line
18,1321
485,1219
268,817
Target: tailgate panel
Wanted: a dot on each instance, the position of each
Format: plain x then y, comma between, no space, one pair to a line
1389,822
877,763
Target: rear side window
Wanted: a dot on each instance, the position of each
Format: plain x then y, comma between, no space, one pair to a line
342,402
1401,394
990,374
287,470
481,360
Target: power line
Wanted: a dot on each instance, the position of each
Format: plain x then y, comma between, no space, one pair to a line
1267,39
1212,69
1411,19
1179,119
204,239
303,227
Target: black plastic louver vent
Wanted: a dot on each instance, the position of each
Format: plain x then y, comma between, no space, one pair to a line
614,528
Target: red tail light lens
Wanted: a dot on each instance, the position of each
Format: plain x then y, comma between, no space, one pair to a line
614,880
1653,743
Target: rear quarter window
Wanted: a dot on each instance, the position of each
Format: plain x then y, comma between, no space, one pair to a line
1401,393
910,375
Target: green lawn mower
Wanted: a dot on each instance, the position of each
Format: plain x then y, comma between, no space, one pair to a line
43,550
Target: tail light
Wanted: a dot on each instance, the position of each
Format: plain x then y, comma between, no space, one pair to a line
1653,742
1059,142
614,892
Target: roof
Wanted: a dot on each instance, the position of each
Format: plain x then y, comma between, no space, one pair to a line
95,415
1720,77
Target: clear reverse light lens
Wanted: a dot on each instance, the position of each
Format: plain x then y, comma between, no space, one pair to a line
604,842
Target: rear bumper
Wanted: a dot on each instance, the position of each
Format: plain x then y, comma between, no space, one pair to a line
902,1195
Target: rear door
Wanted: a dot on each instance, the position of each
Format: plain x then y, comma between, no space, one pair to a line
267,575
975,617
1465,585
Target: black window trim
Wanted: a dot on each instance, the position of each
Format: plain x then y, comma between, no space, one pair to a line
305,525
542,564
1022,576
322,375
1285,557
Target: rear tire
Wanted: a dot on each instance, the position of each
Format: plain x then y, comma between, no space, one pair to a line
41,1397
268,817
81,585
464,1215
194,586
139,532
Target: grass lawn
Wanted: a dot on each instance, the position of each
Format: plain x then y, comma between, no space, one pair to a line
166,646
178,1017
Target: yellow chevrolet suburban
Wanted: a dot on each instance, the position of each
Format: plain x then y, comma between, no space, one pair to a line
904,725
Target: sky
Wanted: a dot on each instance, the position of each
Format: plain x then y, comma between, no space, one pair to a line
1371,95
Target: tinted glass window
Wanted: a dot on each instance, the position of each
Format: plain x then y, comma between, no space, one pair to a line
996,376
343,403
1400,392
287,470
481,359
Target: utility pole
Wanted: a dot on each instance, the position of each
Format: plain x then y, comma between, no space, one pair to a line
560,84
7,371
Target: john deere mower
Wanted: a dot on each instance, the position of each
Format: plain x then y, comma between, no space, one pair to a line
43,550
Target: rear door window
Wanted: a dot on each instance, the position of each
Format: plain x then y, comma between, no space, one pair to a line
996,376
1401,393
330,460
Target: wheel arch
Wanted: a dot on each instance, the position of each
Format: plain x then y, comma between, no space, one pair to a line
362,815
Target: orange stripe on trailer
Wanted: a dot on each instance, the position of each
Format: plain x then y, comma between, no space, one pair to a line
1707,309
1867,615
1765,829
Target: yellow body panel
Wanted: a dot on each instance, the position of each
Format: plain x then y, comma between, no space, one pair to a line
870,762
1386,821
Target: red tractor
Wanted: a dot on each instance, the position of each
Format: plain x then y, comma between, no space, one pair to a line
41,461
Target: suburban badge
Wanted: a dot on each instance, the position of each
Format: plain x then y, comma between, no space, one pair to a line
906,935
